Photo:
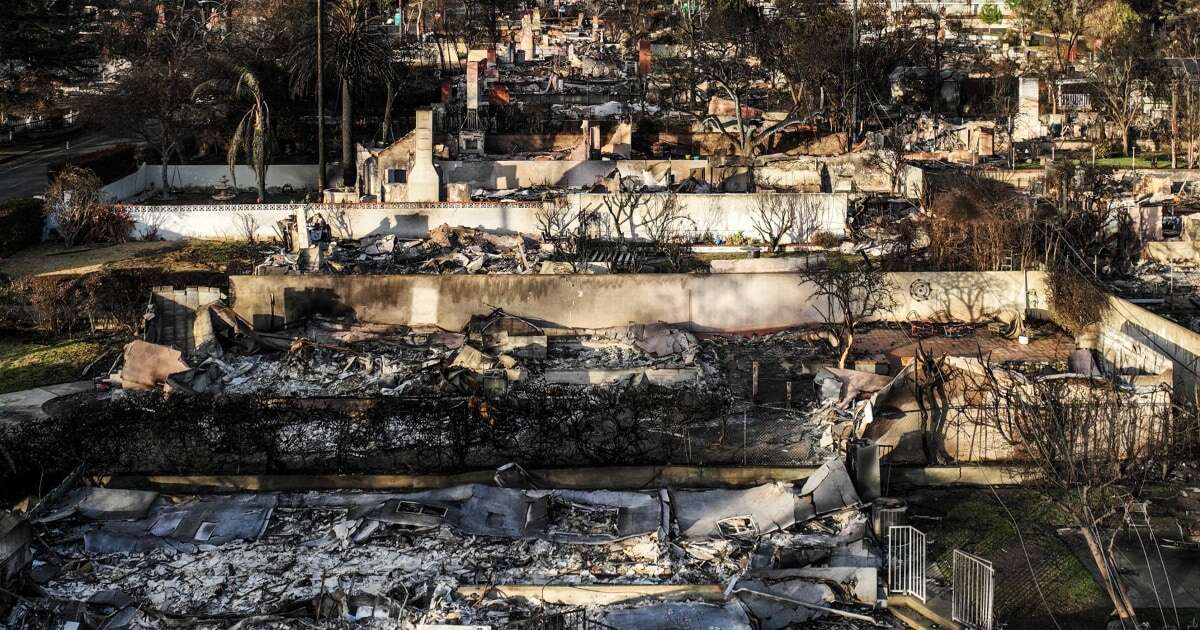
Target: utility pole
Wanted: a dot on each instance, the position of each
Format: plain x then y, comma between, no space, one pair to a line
321,183
853,80
1174,121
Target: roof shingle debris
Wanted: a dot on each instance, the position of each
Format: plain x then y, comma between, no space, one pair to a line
397,559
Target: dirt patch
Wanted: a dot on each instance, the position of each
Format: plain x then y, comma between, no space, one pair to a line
54,258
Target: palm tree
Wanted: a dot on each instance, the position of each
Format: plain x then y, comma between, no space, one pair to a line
252,133
358,50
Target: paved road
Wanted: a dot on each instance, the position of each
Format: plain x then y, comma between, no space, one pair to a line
23,166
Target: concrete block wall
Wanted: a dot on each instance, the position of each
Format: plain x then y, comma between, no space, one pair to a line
712,302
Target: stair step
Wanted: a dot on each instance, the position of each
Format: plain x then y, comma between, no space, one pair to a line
917,615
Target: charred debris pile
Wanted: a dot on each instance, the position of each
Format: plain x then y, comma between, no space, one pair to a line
510,555
464,250
351,397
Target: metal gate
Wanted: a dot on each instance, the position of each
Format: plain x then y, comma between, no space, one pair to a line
906,561
974,590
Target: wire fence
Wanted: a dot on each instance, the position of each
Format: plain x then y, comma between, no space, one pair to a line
142,433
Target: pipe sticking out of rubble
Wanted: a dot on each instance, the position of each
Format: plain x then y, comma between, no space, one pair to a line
796,602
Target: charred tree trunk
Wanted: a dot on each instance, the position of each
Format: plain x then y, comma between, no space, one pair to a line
348,171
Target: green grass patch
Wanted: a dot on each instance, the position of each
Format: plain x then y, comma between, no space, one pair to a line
977,523
26,364
1128,162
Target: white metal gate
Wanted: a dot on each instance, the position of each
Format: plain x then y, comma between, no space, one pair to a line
906,560
974,590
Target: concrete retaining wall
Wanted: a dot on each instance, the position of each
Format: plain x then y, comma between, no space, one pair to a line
1179,344
714,302
1171,251
612,478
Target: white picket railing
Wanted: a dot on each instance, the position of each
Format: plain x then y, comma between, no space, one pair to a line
906,561
974,591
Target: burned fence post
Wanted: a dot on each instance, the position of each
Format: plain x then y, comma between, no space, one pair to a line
754,382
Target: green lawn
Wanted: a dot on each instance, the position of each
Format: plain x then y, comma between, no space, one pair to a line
25,363
975,522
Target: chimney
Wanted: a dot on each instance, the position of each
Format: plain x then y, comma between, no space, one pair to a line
472,85
644,58
423,183
527,41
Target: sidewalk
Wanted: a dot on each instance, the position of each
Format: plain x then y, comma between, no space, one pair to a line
27,405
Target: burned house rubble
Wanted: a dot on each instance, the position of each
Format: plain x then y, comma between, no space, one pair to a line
462,250
772,555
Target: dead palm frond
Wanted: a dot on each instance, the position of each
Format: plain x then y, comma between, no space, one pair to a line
251,135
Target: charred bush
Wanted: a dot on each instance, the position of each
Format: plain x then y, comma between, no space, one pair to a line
146,432
20,225
1075,301
107,299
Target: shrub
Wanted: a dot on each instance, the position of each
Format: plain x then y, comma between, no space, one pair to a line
109,299
16,312
1075,301
71,199
108,224
825,240
20,225
990,14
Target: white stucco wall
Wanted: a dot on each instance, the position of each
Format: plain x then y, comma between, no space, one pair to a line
726,214
149,177
503,174
230,222
720,215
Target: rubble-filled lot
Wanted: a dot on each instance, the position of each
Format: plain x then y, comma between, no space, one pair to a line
465,250
137,559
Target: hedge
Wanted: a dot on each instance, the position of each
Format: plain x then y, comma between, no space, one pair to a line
20,225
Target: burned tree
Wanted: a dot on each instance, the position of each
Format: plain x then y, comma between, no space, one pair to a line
622,208
666,226
565,226
979,224
1088,444
846,295
774,216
